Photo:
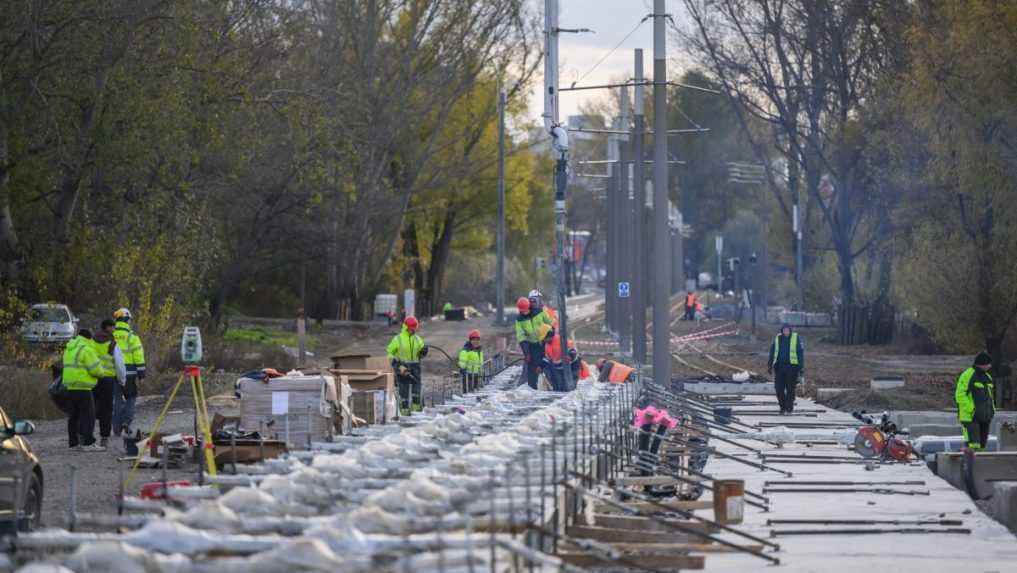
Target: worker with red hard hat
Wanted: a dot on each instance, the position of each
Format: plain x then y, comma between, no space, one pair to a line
471,362
405,351
528,322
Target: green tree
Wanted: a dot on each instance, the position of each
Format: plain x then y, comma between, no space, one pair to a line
959,262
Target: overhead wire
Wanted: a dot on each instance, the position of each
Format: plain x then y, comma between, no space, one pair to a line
613,50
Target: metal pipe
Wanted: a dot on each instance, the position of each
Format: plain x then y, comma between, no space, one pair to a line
867,531
671,524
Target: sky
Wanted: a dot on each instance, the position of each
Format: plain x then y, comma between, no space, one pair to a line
611,21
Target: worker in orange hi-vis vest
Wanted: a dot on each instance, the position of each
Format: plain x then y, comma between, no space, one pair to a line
691,304
614,372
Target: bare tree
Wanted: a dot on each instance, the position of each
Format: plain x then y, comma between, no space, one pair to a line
805,67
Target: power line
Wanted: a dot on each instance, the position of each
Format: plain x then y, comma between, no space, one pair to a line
616,46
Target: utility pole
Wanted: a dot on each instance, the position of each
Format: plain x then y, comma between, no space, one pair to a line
499,304
638,258
719,244
624,220
560,145
662,248
610,286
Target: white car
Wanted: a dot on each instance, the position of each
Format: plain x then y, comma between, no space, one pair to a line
49,322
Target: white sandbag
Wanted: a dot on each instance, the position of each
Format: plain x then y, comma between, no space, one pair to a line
113,557
742,376
306,486
249,501
37,567
211,516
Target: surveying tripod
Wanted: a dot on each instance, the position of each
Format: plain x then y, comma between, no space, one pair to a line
201,423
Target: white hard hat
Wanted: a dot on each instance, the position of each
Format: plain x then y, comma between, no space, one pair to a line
535,294
122,313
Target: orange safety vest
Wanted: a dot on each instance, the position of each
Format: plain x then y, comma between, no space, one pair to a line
552,349
690,300
618,373
584,369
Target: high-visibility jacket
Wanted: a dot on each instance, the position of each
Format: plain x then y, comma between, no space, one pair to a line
615,372
405,346
471,359
794,351
527,325
132,349
81,365
690,301
553,315
552,350
104,352
974,396
448,306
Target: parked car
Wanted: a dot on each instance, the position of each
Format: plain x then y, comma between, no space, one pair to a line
20,477
49,322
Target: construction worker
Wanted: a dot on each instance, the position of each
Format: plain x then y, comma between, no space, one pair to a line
614,372
527,322
787,358
555,363
112,379
471,361
81,371
975,404
537,302
690,306
134,359
405,351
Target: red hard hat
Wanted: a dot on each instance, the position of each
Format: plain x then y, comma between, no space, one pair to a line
411,322
523,304
473,334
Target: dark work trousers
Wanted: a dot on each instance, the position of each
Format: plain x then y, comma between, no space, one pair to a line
784,381
103,396
536,361
81,421
690,313
976,434
556,376
410,388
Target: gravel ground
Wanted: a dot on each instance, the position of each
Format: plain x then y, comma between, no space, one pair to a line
97,473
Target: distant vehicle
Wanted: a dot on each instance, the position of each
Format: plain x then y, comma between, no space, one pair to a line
49,322
20,477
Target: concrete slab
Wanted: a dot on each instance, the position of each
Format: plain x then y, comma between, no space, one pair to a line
989,468
995,547
1003,505
752,388
886,383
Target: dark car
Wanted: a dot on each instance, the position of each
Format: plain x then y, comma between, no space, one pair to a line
20,477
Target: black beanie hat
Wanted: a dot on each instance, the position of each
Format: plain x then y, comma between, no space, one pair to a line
983,359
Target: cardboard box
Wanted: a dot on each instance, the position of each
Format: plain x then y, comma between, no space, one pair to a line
359,361
373,380
361,380
295,405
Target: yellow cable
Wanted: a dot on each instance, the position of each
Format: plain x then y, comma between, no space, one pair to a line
205,427
155,430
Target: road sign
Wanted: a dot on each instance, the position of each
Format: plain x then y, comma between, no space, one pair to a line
623,290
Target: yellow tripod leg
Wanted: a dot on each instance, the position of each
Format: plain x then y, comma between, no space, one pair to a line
155,428
203,424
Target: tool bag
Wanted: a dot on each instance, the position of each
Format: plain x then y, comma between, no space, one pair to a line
58,394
